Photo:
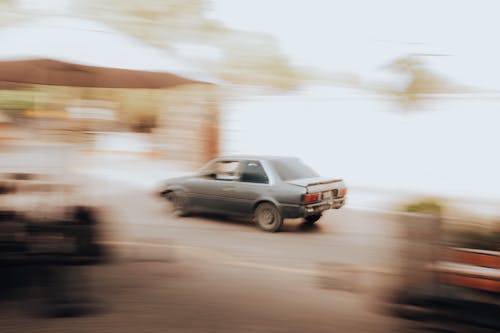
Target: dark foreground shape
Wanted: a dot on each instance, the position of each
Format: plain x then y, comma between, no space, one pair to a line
43,262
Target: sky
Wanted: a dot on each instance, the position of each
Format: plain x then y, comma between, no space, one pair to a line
361,36
457,37
52,6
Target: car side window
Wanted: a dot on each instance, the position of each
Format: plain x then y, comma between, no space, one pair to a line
253,172
226,170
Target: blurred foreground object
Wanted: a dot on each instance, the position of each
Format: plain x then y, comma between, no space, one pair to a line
443,282
39,242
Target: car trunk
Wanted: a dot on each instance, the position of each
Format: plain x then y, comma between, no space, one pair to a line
320,185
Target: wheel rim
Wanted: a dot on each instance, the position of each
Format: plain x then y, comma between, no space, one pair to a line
267,217
175,203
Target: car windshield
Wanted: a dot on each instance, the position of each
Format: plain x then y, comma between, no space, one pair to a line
293,168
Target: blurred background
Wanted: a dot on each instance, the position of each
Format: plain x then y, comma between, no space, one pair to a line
101,101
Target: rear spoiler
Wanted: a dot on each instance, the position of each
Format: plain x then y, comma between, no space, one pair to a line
325,182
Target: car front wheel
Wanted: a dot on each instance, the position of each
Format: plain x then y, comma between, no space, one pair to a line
268,217
178,203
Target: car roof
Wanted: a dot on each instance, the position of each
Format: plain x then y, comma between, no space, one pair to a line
254,157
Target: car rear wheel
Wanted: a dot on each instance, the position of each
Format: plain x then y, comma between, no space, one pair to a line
268,217
311,219
178,203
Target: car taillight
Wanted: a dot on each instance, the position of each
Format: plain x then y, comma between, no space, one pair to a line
311,197
343,191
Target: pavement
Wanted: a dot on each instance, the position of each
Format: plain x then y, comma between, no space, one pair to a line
215,274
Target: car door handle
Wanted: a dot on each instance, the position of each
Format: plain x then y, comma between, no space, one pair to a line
227,189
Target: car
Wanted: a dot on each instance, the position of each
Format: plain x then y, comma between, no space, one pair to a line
267,188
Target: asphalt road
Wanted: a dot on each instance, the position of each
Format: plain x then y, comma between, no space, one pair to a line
216,274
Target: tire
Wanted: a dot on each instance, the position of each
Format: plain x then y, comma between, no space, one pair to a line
178,203
311,219
268,217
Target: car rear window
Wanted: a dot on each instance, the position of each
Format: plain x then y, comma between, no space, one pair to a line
293,168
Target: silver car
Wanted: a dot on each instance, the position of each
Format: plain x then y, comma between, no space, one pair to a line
268,188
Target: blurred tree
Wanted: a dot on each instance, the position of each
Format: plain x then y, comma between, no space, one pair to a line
422,82
246,57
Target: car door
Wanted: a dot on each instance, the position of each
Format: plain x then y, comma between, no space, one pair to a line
253,183
212,191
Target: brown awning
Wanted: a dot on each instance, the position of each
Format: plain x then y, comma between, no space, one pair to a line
53,72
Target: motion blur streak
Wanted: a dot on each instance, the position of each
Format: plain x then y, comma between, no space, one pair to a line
102,102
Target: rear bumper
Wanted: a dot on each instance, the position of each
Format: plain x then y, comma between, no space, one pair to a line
338,203
296,211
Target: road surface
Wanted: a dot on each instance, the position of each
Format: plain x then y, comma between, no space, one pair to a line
214,274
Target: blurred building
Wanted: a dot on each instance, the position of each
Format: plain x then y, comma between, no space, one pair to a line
182,123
